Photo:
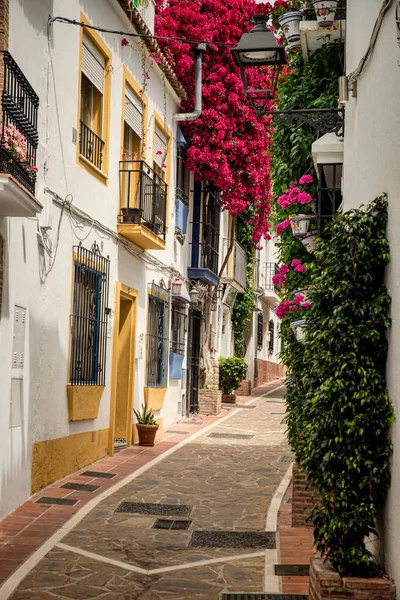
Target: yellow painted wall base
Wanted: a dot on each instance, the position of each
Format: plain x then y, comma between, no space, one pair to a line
54,459
135,435
154,397
84,401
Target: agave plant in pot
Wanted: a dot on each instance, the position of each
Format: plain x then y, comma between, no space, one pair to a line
146,425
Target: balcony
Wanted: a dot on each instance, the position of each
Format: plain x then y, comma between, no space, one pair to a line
236,268
143,205
18,143
91,146
312,36
204,267
270,291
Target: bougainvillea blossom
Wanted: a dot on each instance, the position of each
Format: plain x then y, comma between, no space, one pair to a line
228,144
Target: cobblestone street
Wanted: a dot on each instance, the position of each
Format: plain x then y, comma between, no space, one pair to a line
229,476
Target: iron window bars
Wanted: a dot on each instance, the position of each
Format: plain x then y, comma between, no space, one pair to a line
89,317
238,271
271,331
91,146
270,269
182,175
329,193
211,223
143,196
157,342
260,327
20,105
178,327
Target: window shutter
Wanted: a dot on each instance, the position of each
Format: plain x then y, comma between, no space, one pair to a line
93,64
160,146
133,112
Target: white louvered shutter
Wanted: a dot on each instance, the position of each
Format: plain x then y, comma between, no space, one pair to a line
160,146
93,63
133,112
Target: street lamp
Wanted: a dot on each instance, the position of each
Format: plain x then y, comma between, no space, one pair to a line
259,48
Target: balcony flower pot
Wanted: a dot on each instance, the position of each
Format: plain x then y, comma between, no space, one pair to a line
132,215
146,426
309,241
300,225
147,434
326,583
325,12
290,25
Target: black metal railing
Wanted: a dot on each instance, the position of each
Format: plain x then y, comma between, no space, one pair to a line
178,328
236,267
329,193
268,271
182,176
89,317
271,332
157,342
91,146
143,196
19,116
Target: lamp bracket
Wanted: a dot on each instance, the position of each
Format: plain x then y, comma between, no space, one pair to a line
327,120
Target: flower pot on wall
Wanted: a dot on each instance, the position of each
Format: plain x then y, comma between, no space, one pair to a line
290,25
300,225
132,215
309,242
325,12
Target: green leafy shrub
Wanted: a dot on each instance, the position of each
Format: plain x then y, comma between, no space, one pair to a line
232,371
339,410
146,416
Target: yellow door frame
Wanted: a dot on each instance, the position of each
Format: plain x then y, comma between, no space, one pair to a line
123,291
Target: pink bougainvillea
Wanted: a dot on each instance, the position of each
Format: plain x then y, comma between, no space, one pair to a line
229,146
297,266
282,226
295,195
288,306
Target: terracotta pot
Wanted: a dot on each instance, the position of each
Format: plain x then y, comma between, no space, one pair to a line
147,434
229,398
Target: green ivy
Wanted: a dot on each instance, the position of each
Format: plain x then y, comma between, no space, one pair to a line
244,303
339,411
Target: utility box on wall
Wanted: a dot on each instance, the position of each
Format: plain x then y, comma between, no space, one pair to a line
18,360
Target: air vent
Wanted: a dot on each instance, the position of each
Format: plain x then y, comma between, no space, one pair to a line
145,508
233,539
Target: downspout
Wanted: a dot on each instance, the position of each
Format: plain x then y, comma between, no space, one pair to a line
197,94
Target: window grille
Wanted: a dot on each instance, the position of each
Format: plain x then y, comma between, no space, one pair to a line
271,329
157,336
260,326
211,222
89,317
178,327
182,175
329,192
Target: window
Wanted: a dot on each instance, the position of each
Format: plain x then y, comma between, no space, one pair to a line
271,331
178,327
260,326
157,337
133,126
91,144
182,175
89,317
211,220
160,147
329,192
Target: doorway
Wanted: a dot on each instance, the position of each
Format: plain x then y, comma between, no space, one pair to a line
194,360
123,368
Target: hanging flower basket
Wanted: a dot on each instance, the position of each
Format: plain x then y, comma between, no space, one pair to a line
298,329
300,225
309,242
290,25
325,12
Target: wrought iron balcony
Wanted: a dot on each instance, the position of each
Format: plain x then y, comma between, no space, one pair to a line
236,268
19,135
91,146
270,291
143,202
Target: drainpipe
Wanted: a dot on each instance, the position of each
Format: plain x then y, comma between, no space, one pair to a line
197,74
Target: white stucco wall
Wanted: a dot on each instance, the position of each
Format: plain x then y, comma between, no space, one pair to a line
52,68
371,166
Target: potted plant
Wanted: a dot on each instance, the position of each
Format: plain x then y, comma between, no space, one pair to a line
325,12
132,215
232,371
146,425
300,224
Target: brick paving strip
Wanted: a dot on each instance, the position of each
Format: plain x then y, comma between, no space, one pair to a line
28,527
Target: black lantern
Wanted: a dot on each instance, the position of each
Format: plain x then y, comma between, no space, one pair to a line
259,48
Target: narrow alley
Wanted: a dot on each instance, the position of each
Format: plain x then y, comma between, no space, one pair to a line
195,521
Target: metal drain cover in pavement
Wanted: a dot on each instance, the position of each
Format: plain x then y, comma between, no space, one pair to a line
99,474
177,432
238,406
190,422
80,487
233,539
59,501
144,508
263,597
289,458
166,524
230,436
292,570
